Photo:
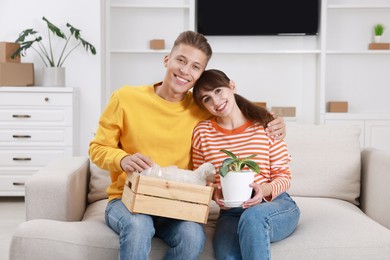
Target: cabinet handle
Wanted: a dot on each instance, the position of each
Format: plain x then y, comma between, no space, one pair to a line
22,159
18,183
21,136
21,116
46,99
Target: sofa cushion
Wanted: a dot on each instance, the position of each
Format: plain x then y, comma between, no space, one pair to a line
325,161
99,181
328,229
333,229
95,212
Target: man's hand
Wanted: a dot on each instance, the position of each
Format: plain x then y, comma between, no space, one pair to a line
276,128
136,162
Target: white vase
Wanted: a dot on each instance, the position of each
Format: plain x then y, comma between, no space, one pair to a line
377,38
235,187
53,77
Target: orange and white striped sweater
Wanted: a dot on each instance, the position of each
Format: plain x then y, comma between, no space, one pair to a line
209,138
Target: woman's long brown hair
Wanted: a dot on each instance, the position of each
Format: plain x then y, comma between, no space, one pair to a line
212,79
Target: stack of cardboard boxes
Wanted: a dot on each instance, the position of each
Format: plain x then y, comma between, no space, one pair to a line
12,71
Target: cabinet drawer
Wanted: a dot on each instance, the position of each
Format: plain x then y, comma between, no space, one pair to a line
12,183
36,99
30,158
25,116
36,137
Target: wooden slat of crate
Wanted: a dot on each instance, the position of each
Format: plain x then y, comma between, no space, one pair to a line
140,203
169,189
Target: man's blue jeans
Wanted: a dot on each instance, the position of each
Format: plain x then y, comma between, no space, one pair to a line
247,233
185,239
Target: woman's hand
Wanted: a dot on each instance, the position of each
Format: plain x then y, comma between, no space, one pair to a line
136,162
261,191
257,199
276,128
217,194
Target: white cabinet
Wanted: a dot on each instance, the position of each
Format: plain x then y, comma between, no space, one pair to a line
37,125
377,134
374,128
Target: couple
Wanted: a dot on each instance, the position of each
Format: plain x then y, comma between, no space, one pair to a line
154,124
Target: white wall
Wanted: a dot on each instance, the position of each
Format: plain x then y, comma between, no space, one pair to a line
82,70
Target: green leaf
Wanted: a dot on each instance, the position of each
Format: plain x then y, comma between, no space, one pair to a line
54,29
87,46
249,157
232,155
253,166
24,34
224,170
24,46
74,31
227,162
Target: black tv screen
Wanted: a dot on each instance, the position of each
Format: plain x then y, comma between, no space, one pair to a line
257,17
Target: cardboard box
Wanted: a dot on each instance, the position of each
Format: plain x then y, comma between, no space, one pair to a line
16,74
379,46
6,50
261,104
338,107
284,111
157,44
159,197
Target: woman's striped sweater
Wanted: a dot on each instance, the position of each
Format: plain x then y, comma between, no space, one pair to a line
272,156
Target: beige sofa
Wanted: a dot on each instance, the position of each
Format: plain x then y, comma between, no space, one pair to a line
343,194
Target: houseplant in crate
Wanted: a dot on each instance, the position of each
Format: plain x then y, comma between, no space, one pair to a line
235,180
378,32
53,71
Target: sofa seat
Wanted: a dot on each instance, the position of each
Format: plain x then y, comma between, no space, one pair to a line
324,232
342,191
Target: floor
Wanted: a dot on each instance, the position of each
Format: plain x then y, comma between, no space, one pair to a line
12,213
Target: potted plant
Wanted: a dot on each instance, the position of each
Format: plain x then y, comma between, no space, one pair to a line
30,38
235,180
378,32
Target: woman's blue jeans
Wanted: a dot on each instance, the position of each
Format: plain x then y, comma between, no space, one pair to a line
247,233
185,239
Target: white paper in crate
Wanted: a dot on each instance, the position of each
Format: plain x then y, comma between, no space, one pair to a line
205,172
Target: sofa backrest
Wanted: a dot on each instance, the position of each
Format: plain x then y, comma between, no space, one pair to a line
325,161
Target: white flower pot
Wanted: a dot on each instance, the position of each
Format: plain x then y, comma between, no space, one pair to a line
53,77
377,38
235,187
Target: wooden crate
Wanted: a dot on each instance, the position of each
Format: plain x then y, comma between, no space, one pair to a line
159,197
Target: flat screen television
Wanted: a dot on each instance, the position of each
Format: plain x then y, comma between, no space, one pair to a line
257,17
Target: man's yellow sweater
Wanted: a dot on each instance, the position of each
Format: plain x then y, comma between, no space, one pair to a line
135,120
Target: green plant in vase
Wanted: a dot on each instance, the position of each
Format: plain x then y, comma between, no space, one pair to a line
53,70
378,32
30,38
235,181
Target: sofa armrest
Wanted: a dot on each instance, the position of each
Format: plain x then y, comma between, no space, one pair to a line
59,190
375,193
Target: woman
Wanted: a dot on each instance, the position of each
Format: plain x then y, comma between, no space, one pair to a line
238,126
